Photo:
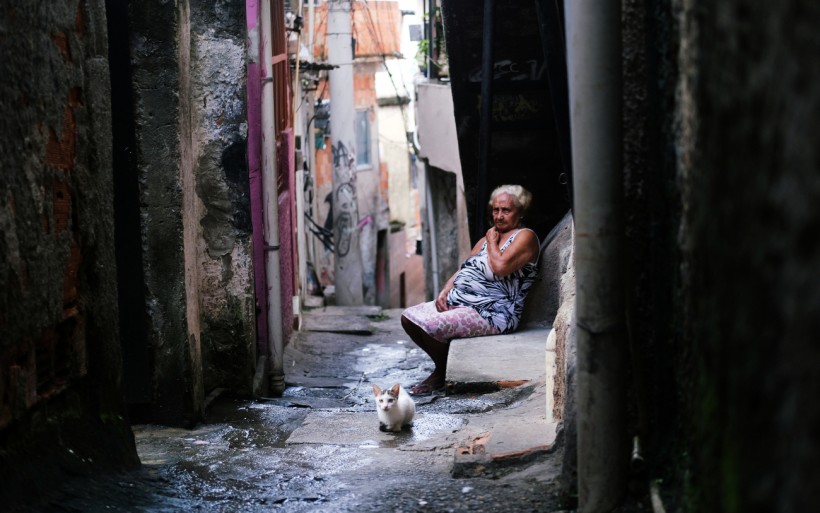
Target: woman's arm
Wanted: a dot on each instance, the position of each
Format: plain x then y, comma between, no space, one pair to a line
441,299
523,250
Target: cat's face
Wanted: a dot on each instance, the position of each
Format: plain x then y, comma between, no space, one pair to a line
384,398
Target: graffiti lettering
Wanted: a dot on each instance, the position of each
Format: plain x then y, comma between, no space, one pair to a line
518,107
343,159
506,69
342,232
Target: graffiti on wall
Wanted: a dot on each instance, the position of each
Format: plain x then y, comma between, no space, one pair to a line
344,197
506,69
324,234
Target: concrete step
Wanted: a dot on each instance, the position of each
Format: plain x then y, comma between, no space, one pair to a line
518,356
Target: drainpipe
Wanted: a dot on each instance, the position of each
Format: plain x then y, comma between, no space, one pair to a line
594,73
255,181
485,129
271,207
431,223
431,218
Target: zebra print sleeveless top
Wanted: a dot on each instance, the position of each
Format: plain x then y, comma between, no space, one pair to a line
500,301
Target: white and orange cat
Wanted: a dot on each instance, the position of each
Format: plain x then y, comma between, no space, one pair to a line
395,407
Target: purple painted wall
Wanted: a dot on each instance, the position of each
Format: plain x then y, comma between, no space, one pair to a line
287,216
255,172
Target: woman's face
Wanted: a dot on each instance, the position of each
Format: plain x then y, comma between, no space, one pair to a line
506,215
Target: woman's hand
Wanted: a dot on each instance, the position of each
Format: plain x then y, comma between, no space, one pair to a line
441,301
492,236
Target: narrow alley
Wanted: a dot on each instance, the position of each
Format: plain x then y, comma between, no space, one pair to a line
318,448
213,212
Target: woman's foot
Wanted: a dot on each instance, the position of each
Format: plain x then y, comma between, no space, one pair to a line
432,384
425,389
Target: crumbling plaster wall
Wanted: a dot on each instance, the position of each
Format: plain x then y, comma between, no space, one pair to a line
170,210
224,250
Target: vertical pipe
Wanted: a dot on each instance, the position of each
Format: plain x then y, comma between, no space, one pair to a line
298,129
553,45
431,222
271,206
310,152
594,73
485,128
255,177
431,13
312,26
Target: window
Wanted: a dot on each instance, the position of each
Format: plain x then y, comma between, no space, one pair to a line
363,138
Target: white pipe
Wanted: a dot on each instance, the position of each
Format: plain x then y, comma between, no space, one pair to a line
311,26
594,73
271,206
298,128
431,223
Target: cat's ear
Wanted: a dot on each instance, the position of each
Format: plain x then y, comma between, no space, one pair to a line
376,390
395,390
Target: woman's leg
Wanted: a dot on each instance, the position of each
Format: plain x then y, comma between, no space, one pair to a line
437,351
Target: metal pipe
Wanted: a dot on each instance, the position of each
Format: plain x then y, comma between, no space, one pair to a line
311,26
431,223
485,128
257,206
594,74
298,128
553,45
270,197
637,462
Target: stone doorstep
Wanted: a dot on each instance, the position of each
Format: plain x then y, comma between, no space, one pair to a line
487,364
517,356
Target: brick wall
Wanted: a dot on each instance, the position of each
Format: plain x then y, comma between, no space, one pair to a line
60,360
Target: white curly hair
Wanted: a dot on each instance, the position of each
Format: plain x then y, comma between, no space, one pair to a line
521,196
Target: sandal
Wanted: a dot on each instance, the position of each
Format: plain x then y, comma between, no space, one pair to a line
424,389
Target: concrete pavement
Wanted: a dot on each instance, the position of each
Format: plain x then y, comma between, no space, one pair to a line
483,446
501,383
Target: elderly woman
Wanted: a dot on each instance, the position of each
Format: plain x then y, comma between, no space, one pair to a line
486,295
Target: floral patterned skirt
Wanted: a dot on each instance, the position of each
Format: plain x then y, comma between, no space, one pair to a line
457,322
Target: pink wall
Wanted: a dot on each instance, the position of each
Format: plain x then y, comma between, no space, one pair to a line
255,177
287,234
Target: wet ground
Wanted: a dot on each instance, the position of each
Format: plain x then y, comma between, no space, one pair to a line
318,448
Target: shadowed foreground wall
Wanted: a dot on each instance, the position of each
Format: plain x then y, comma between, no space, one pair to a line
754,211
723,215
61,407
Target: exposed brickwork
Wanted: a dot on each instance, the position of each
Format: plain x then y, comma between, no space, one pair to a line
324,166
364,87
61,40
60,151
44,353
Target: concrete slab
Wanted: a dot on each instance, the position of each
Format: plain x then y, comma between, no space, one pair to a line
508,437
345,311
355,325
512,357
